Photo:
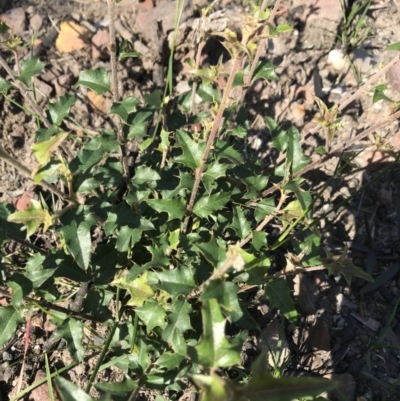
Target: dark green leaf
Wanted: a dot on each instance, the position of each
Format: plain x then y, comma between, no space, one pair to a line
208,93
265,70
207,205
145,174
259,239
124,108
30,67
127,238
279,136
178,281
71,330
34,270
240,223
9,319
153,99
278,294
213,253
21,287
127,386
60,109
174,207
69,391
169,360
139,122
7,227
214,171
225,151
152,314
4,28
294,153
264,208
97,80
192,151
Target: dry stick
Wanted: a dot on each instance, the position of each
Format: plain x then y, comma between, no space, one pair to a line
369,81
114,83
210,141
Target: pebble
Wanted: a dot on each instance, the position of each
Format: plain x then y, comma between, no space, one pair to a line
16,20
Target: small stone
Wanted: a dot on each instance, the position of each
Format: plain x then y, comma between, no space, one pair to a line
43,90
337,58
36,23
100,40
16,20
393,77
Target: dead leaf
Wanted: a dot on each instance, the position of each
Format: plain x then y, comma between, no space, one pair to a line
99,102
72,37
23,202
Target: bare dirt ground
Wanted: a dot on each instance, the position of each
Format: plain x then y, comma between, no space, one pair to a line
337,333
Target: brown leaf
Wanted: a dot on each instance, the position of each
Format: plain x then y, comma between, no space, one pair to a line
23,202
72,37
99,102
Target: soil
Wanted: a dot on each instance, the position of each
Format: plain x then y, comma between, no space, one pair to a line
336,335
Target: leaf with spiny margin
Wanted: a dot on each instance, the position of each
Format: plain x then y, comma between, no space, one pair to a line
185,183
214,350
97,80
192,151
32,218
9,319
139,289
212,251
21,287
178,281
278,294
71,330
124,108
159,258
70,392
60,109
169,360
259,239
4,86
175,208
35,272
304,197
127,238
152,314
240,223
279,137
138,122
225,151
30,67
263,386
264,208
145,174
178,324
43,150
207,205
214,171
294,153
265,70
153,99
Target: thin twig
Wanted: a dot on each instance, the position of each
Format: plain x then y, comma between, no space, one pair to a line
114,84
210,141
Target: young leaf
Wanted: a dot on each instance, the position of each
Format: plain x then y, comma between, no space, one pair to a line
72,331
174,207
192,151
9,319
32,218
30,67
214,350
97,80
71,392
278,294
43,150
207,205
60,109
152,314
4,86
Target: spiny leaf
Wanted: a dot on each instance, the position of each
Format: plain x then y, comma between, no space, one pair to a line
32,218
207,205
152,314
214,349
30,67
43,150
294,152
178,281
174,207
60,109
240,223
127,238
21,287
97,80
192,151
124,108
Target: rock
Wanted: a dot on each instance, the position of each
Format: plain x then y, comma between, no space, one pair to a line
346,389
146,5
36,23
43,90
16,20
100,40
393,77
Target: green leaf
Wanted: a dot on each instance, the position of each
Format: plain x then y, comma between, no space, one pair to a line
97,80
207,205
4,86
139,123
208,93
379,94
259,239
139,289
175,208
294,153
6,226
225,151
240,223
278,294
214,350
178,324
32,218
9,319
279,136
127,238
263,386
153,99
264,208
43,150
4,28
127,48
214,387
192,151
70,392
265,70
119,388
169,360
214,171
30,67
60,109
79,242
21,287
178,281
213,253
152,314
71,330
145,174
124,108
34,270
393,47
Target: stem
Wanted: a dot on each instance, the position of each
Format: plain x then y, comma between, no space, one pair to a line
210,141
114,84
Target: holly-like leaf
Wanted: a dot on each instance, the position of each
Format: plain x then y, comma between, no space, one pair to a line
139,289
71,330
264,208
278,294
169,360
265,70
145,174
153,99
60,109
192,151
152,314
178,281
240,223
97,80
43,150
175,208
294,153
207,205
9,319
71,392
225,151
21,287
213,253
214,350
4,86
279,137
124,108
213,172
127,238
30,67
178,324
32,218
